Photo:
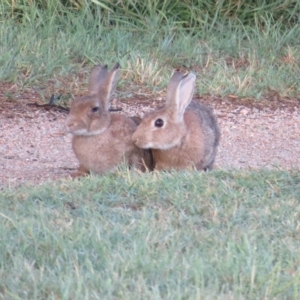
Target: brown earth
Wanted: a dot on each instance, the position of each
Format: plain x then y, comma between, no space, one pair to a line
35,148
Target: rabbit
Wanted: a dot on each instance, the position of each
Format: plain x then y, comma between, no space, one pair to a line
102,140
182,134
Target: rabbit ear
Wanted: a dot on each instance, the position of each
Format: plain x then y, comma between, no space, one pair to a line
103,83
182,94
108,88
97,77
172,87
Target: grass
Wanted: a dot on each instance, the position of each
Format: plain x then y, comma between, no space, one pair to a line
230,57
182,235
217,235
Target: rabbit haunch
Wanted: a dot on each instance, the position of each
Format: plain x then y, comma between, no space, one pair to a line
102,140
182,134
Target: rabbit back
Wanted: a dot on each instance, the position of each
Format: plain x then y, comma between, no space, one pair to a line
209,137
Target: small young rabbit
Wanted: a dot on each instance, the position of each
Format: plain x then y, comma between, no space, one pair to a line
102,140
182,134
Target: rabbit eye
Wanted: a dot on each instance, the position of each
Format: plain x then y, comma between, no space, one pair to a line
95,109
159,123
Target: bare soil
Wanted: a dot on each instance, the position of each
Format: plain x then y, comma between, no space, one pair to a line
34,147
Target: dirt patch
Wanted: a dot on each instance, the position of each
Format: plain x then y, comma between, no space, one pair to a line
35,148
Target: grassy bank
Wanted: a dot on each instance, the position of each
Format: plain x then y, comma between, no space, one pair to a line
187,235
245,50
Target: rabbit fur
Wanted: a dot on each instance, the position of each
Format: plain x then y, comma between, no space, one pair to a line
102,140
182,134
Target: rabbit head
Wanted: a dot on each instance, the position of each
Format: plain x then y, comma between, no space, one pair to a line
89,115
165,128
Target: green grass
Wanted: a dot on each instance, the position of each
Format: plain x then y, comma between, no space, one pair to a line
244,50
181,235
189,13
184,235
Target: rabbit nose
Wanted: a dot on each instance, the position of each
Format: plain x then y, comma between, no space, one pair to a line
70,125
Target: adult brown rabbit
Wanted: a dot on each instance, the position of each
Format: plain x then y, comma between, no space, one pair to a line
182,134
102,140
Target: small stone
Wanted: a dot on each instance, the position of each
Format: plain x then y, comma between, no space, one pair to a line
244,112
